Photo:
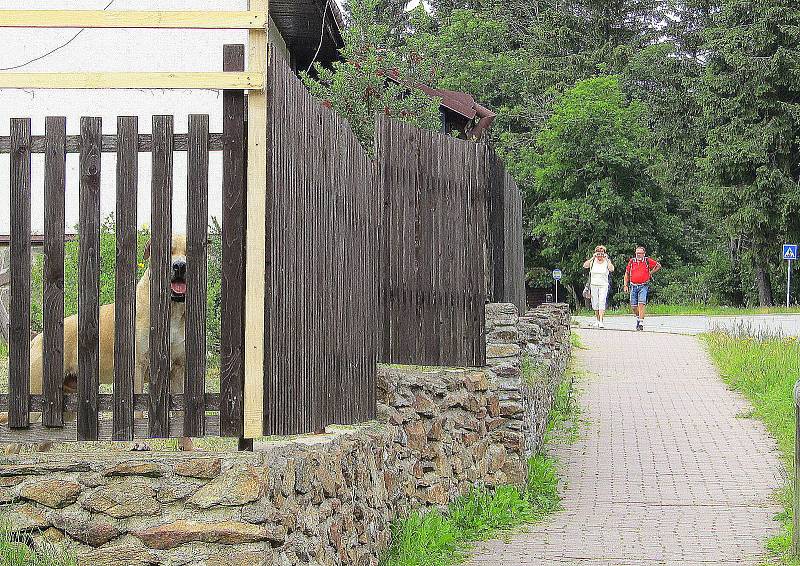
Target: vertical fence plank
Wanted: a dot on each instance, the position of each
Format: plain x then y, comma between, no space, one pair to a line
196,275
233,254
255,298
19,312
496,203
160,275
269,236
321,232
433,247
89,279
125,276
53,293
506,265
478,224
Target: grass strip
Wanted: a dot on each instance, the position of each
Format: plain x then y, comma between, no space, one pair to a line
764,368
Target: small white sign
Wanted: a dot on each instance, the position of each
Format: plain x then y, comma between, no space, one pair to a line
790,251
557,274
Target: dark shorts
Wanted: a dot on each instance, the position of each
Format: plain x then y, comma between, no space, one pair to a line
639,294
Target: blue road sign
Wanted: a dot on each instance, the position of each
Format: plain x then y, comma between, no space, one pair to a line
790,251
557,274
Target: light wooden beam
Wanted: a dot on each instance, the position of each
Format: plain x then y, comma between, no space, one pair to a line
211,80
131,19
256,233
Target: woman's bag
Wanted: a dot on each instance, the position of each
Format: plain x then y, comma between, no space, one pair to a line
587,289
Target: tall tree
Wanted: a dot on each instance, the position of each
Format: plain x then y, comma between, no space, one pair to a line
392,14
751,101
593,181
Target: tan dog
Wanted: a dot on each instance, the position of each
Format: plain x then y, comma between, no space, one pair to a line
177,336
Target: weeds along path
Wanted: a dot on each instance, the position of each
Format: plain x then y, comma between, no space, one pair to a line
665,471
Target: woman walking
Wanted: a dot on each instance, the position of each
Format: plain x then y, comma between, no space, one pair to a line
599,266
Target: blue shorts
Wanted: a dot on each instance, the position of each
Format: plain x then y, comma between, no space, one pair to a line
639,294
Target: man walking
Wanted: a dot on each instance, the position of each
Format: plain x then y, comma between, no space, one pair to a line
637,273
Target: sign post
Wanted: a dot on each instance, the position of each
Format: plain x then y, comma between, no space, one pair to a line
556,278
789,254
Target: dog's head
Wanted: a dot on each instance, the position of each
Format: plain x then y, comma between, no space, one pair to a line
177,282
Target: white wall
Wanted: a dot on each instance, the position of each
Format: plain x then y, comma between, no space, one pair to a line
115,50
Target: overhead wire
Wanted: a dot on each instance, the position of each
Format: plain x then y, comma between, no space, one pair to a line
63,45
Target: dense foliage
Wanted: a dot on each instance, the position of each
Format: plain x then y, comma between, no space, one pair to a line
671,123
375,75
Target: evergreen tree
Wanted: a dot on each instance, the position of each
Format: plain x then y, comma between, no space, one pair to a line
751,102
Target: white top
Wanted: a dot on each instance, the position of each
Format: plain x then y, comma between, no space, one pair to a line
599,273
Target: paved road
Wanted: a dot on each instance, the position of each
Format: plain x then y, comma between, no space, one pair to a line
786,324
665,472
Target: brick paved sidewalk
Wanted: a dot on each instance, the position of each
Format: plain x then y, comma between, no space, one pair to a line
664,473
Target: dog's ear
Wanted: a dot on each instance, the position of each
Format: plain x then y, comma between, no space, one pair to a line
146,254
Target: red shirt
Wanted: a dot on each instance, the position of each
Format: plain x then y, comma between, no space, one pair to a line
639,269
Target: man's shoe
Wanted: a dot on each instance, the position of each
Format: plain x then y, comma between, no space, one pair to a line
639,325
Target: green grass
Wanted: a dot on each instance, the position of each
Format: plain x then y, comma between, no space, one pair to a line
533,372
442,539
576,341
15,552
436,539
707,310
764,369
565,422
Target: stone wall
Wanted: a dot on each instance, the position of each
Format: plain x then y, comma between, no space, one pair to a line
528,355
324,499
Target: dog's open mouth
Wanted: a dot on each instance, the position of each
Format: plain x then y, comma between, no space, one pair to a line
178,288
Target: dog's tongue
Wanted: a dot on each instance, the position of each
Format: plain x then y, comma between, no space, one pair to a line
178,287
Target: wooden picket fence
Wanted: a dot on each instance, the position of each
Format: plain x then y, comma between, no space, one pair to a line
201,413
390,259
320,339
506,257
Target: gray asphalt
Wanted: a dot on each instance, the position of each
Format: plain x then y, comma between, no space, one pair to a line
783,324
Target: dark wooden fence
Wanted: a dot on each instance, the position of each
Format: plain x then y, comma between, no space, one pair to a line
322,233
392,261
433,247
192,411
506,259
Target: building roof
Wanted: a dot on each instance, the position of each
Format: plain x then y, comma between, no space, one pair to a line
308,26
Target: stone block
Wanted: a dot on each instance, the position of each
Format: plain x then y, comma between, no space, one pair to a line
25,518
235,487
123,499
118,555
134,468
53,493
84,528
416,434
502,350
172,535
424,405
202,468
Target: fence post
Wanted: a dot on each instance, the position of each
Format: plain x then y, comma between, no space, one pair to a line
796,494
